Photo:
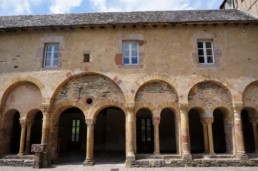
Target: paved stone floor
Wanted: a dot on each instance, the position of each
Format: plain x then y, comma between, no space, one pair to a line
70,167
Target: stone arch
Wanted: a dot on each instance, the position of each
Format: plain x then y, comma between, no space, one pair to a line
209,93
64,105
149,78
156,92
93,86
250,95
144,105
219,81
31,114
7,87
171,106
94,111
21,91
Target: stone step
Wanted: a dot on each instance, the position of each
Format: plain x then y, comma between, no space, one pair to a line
14,156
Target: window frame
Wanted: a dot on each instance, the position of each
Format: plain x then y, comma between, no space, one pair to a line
204,49
52,52
130,42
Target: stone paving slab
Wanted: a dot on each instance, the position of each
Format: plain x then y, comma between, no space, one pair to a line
120,168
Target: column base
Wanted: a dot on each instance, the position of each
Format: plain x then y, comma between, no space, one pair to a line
88,162
187,157
20,154
129,160
242,156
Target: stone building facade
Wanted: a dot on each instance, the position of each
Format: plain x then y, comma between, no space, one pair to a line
153,88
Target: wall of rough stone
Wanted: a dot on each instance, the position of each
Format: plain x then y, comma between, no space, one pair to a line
250,96
96,87
156,93
209,93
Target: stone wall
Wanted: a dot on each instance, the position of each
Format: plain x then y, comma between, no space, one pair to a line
84,87
250,96
209,93
156,93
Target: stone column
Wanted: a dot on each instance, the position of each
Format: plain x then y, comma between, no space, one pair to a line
205,136
185,138
130,122
22,138
45,128
209,122
156,122
28,135
254,123
90,142
239,132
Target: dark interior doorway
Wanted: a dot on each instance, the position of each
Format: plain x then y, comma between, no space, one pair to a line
144,131
196,132
36,129
109,136
218,131
15,134
72,136
167,131
247,132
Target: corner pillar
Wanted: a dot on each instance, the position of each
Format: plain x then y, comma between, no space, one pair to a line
185,138
22,138
90,142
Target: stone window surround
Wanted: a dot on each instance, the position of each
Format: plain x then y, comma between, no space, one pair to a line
41,50
216,49
132,37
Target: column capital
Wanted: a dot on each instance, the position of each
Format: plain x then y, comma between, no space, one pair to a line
208,120
45,108
238,108
90,122
184,107
156,120
130,107
23,122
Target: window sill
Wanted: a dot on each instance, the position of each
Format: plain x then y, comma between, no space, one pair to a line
130,66
50,68
208,65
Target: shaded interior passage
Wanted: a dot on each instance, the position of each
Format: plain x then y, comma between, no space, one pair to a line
72,136
196,132
219,139
167,132
109,136
36,129
247,132
15,134
144,131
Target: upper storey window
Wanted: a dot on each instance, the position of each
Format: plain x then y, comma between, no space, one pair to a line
130,52
51,55
205,52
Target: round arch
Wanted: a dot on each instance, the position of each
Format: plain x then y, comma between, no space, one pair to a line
78,73
94,111
18,81
154,79
250,94
219,83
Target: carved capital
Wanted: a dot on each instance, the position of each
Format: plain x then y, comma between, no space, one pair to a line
45,108
23,122
208,120
183,107
237,108
155,120
130,107
90,122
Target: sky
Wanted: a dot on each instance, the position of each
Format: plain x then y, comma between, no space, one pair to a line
32,7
